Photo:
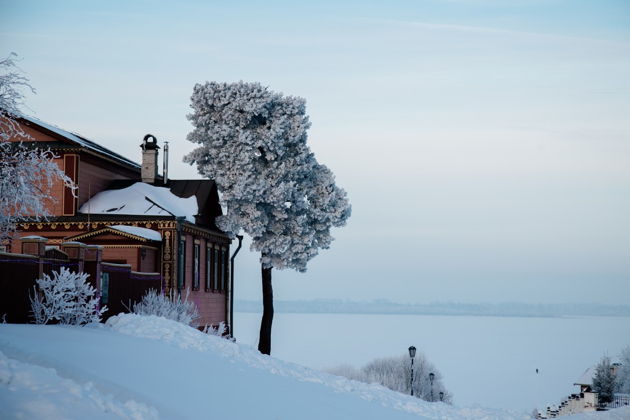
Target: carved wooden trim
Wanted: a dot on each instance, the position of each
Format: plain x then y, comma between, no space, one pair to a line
82,225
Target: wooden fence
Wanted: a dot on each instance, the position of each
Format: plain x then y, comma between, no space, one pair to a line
118,287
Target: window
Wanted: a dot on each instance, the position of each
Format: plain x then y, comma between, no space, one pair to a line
215,271
181,263
196,268
208,268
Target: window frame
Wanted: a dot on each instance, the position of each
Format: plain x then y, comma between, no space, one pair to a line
215,269
196,266
224,269
208,284
181,264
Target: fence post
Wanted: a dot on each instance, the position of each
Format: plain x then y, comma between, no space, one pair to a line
76,253
35,245
92,265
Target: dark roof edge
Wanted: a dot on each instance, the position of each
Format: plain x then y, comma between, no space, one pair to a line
89,145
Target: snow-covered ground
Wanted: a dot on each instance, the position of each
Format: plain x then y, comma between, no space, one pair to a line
148,367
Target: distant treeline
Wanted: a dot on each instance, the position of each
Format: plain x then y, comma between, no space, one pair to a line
439,308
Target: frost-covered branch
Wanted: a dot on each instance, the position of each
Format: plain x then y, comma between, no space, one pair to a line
12,85
27,175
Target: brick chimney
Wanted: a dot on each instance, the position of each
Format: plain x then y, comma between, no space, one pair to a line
149,159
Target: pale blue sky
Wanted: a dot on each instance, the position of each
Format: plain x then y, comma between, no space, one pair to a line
485,145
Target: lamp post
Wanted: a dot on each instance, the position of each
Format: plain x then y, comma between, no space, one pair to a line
431,378
412,354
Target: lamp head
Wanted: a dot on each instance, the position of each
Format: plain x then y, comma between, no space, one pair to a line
412,352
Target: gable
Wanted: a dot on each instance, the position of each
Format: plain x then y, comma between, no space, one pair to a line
111,234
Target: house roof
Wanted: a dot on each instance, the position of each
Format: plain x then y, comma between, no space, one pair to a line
78,140
204,190
589,374
587,377
142,199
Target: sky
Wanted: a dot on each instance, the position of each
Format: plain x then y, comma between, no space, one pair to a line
484,145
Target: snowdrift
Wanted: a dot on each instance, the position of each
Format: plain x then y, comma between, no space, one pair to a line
149,367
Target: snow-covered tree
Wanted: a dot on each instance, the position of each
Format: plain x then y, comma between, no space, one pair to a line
253,144
395,374
623,374
175,308
67,298
26,174
604,381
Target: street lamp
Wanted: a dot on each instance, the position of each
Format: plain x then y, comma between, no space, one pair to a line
412,354
431,378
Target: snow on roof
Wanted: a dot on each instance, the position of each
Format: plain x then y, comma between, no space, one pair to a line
88,144
149,234
142,199
587,377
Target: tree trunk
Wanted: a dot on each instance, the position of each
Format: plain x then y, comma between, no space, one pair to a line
264,342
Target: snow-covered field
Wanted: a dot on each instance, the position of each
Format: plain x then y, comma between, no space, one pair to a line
503,351
148,367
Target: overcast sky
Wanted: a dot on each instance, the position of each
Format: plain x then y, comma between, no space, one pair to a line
484,145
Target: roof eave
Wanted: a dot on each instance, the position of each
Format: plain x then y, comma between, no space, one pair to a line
124,162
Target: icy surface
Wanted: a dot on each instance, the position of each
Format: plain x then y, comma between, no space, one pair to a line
142,199
145,367
149,234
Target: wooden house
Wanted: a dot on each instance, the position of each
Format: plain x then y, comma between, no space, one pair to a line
140,218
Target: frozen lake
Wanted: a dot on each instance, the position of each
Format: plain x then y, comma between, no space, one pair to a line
486,361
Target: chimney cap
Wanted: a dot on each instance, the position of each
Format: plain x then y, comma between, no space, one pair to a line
149,142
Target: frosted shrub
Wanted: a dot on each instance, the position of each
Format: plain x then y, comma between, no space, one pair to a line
67,298
219,331
395,373
155,303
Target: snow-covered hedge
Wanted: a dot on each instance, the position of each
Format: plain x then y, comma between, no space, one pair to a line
67,298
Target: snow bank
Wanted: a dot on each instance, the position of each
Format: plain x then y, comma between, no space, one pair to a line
142,199
144,366
32,392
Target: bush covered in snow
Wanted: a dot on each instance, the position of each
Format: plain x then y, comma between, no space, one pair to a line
65,297
395,374
175,308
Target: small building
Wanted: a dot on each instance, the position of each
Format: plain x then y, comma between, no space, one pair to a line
139,217
587,399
